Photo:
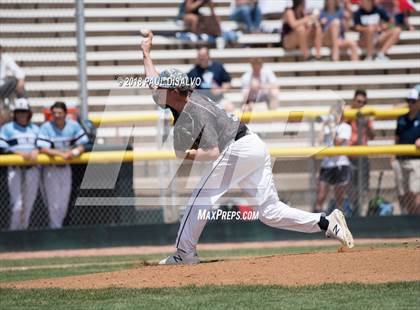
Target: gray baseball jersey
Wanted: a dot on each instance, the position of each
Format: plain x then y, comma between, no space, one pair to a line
205,124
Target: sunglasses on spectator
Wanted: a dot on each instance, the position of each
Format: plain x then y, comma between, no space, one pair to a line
411,101
361,101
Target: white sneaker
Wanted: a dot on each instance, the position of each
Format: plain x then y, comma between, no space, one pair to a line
337,229
381,57
180,258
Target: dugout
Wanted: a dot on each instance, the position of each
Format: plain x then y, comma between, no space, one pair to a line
80,212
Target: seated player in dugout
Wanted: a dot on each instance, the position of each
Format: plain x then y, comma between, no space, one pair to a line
205,132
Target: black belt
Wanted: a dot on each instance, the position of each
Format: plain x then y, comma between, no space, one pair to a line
242,134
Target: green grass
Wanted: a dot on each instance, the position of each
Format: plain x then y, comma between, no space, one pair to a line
50,267
404,295
75,260
332,296
42,273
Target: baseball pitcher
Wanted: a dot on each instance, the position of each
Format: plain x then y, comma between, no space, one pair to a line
203,131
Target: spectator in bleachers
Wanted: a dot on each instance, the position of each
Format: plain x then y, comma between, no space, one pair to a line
64,138
215,80
259,84
335,171
332,21
247,12
18,137
366,133
399,10
376,30
9,85
348,14
407,168
190,13
301,31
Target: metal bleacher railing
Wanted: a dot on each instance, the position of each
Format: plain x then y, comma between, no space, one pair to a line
380,114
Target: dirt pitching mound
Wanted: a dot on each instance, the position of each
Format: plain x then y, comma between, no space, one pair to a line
363,266
160,249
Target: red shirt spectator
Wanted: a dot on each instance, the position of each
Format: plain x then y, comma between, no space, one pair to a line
365,130
359,101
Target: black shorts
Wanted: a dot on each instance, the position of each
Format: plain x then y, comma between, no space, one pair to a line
340,175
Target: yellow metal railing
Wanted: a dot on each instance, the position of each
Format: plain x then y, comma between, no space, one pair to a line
118,156
380,114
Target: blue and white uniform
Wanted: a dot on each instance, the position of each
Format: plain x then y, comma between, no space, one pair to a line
57,178
23,181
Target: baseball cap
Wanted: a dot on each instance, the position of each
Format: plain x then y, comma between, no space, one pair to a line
172,79
21,104
413,94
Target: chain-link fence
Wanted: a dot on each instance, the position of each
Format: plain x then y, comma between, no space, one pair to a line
120,206
153,191
86,207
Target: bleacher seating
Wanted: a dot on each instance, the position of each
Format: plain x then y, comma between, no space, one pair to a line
48,50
